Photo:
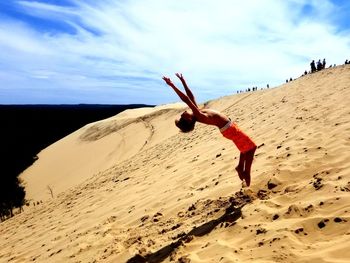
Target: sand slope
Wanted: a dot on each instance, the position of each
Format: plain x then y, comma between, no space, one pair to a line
177,198
96,147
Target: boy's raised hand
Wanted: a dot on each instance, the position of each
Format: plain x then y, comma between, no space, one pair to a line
167,81
179,75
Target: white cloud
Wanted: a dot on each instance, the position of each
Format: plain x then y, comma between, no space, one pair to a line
124,47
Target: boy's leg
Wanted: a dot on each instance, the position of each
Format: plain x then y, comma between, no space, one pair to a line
240,166
249,156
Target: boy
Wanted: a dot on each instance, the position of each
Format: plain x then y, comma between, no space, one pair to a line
228,129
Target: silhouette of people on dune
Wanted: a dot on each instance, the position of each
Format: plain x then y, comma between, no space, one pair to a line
313,67
318,66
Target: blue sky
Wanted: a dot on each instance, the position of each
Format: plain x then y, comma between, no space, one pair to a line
116,51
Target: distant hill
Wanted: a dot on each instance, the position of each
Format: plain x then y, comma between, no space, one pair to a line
27,129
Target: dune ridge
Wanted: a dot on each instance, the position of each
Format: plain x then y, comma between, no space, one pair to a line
140,191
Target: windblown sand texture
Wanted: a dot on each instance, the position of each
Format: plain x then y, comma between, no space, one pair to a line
133,189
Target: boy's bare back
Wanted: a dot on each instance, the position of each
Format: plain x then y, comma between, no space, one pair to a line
213,117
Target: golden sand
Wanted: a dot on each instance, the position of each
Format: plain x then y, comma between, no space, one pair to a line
132,187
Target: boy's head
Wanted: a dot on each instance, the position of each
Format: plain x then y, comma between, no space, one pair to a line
186,122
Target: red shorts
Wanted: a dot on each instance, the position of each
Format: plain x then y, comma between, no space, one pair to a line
240,139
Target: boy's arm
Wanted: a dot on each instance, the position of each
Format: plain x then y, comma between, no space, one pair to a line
196,112
187,89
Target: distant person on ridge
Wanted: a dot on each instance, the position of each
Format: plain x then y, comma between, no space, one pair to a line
313,67
324,63
227,128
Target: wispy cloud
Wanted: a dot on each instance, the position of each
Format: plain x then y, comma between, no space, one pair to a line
117,51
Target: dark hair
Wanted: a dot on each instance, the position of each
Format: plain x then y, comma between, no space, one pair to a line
185,125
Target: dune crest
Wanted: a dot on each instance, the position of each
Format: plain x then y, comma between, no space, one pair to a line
177,197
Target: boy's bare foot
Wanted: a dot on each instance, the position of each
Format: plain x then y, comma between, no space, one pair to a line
246,178
240,173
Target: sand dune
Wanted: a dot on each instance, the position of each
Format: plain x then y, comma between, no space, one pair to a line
133,189
96,147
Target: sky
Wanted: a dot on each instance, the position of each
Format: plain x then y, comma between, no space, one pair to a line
116,51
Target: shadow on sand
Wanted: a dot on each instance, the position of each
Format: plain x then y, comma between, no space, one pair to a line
231,215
